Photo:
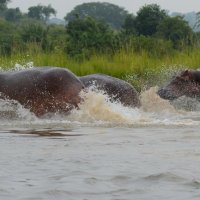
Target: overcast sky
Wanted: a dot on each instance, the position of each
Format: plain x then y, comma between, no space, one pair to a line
64,6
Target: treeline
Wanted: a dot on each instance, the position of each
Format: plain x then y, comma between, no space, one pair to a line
94,28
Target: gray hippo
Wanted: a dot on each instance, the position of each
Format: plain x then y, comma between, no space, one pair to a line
117,90
187,83
42,89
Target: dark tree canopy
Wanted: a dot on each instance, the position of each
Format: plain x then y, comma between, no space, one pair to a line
148,18
35,12
8,37
88,31
3,4
4,1
33,32
40,12
197,22
87,36
129,25
13,14
110,13
48,11
175,29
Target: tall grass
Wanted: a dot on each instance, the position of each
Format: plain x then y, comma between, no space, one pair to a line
138,68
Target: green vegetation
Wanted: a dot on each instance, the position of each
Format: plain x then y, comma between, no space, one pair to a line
136,48
106,12
140,69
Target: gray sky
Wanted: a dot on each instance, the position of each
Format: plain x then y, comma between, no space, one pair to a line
64,6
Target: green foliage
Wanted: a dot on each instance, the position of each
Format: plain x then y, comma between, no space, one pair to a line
177,30
35,32
48,11
190,17
4,1
153,46
109,13
56,37
3,4
9,38
35,12
140,69
129,25
86,45
13,14
197,23
88,36
40,12
148,18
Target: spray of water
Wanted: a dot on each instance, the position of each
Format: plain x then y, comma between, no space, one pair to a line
98,109
19,67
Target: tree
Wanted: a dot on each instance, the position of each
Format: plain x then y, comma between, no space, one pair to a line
35,32
40,12
35,12
48,11
3,4
197,23
13,14
148,18
87,36
109,13
4,1
9,37
57,37
175,29
129,25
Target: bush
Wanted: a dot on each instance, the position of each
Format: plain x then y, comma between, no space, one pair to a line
177,30
9,38
153,46
88,36
35,32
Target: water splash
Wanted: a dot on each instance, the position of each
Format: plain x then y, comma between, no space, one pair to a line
98,109
19,67
151,102
12,110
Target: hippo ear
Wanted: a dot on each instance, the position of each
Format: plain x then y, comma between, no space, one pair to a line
186,75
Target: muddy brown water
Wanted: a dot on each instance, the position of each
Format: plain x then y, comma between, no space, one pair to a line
102,151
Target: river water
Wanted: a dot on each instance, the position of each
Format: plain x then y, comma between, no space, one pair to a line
102,151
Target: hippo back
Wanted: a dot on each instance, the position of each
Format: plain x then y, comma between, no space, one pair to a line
117,89
42,89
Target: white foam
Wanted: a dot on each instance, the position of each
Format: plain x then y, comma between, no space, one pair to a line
19,67
98,108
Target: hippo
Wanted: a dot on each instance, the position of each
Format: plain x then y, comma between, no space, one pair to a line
187,83
116,89
42,89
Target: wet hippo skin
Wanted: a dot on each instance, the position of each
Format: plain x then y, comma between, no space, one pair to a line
42,89
117,90
186,83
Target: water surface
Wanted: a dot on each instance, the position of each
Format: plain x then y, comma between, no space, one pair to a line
102,151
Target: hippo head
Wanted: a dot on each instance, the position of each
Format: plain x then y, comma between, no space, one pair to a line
187,83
